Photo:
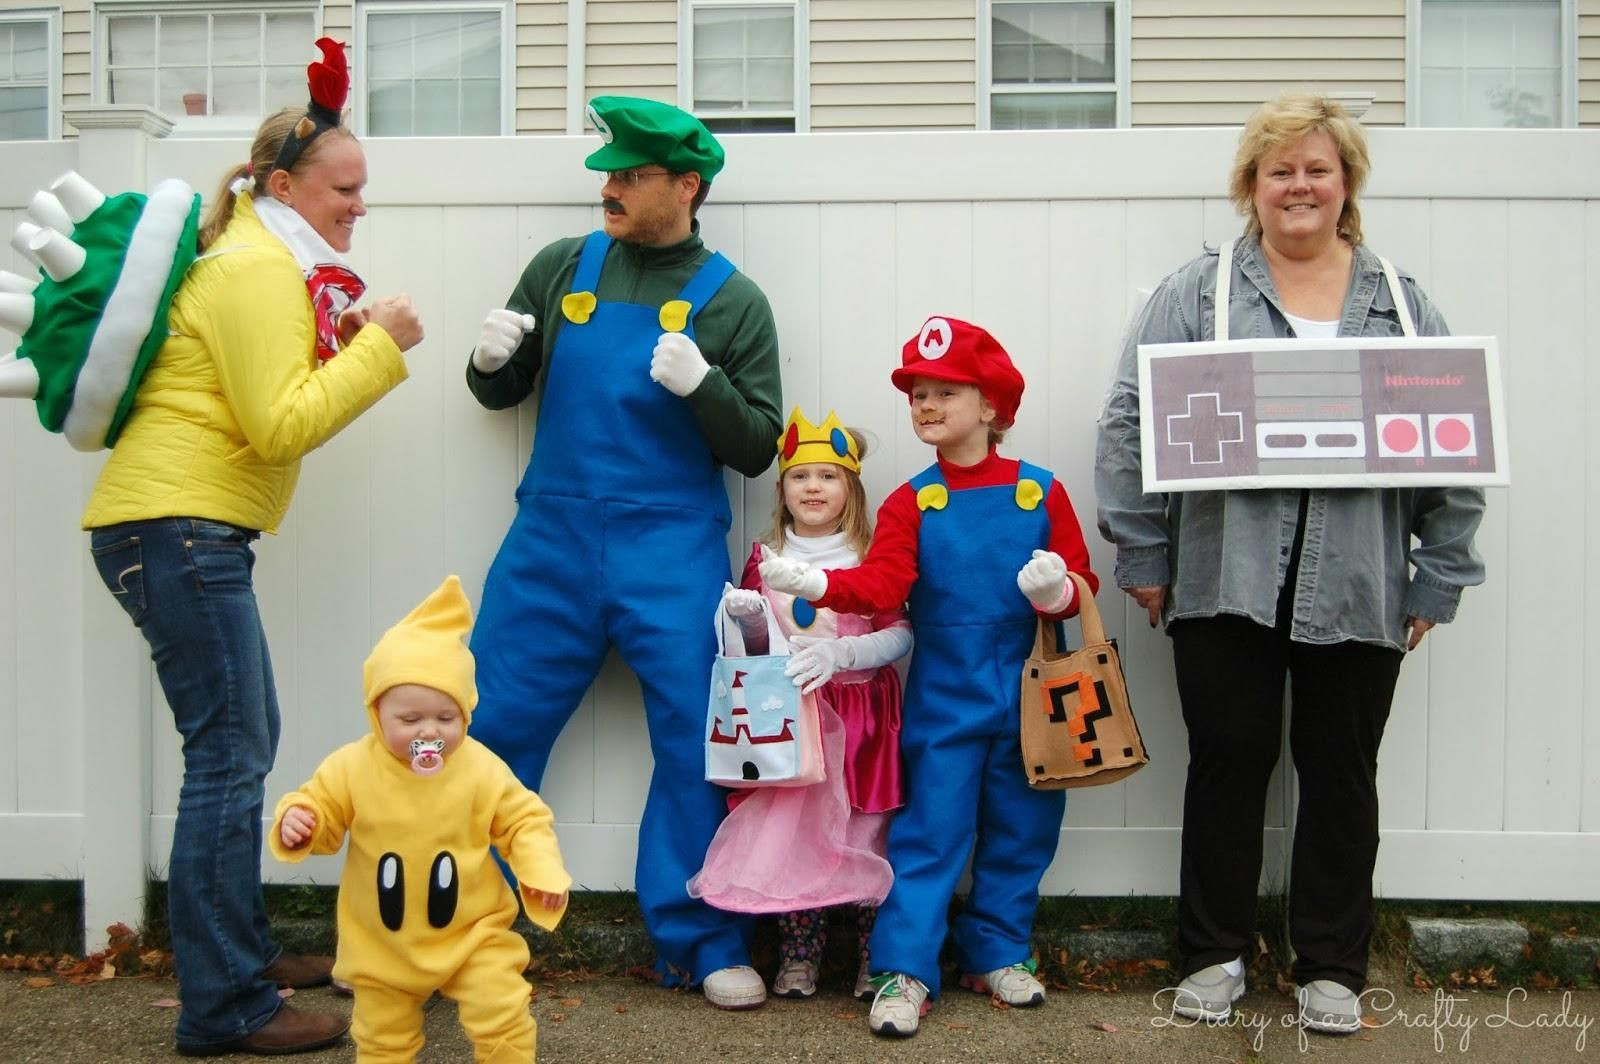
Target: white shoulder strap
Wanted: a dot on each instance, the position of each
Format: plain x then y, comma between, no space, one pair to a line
1399,296
1224,284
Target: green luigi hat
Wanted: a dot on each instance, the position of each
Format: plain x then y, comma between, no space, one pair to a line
639,132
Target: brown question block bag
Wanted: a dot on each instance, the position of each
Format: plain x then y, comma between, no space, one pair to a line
1077,726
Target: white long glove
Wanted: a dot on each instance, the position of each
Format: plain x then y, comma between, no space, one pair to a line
677,364
815,659
794,577
1044,581
501,335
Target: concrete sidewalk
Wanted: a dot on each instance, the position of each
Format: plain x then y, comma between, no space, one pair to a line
606,1018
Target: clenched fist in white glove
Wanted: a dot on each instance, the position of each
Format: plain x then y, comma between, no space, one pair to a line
742,602
794,577
501,334
1044,581
816,659
677,364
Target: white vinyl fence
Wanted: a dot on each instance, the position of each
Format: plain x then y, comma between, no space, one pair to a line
1491,768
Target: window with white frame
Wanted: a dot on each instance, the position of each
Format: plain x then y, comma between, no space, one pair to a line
1491,63
741,64
213,59
1052,64
26,61
434,70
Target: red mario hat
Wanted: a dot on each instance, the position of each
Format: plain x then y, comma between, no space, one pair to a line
949,349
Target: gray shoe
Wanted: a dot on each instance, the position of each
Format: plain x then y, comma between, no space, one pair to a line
1209,994
1328,1007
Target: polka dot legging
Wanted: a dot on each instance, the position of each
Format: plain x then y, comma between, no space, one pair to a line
802,935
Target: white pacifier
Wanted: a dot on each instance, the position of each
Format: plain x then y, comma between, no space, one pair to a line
427,756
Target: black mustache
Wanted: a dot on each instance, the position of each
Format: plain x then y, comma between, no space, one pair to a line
612,205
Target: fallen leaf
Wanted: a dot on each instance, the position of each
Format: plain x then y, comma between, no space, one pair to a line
621,1009
38,982
1370,1020
1159,965
1102,1025
286,992
1284,985
996,1003
557,1017
571,1003
164,1003
109,971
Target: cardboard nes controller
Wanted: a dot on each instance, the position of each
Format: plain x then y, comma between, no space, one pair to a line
92,322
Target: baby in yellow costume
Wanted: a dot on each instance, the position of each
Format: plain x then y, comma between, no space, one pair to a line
422,904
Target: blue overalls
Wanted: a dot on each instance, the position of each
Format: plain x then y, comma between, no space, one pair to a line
619,540
959,737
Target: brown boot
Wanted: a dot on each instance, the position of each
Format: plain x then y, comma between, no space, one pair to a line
289,1031
300,970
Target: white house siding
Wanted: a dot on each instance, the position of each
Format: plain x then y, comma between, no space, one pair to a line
632,49
1589,62
1211,62
541,58
893,64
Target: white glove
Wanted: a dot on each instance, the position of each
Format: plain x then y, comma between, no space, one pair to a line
794,577
1044,581
677,364
816,660
740,602
501,335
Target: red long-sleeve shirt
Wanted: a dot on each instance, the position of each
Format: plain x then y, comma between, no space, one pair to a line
883,580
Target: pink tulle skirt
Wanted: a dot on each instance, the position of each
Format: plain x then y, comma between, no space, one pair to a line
788,848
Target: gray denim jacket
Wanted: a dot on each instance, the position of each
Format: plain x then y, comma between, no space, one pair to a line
1227,551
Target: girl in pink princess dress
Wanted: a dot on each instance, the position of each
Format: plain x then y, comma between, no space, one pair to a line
795,851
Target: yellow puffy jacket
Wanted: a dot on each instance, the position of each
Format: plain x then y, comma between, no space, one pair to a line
235,397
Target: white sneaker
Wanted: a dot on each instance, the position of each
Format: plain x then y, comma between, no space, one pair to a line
1209,994
864,990
796,979
1013,984
738,987
900,1003
1329,1007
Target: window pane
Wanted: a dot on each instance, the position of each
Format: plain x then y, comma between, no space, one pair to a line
718,33
31,62
1051,110
285,87
437,109
24,113
133,85
176,83
236,91
1049,42
132,42
286,36
480,44
183,40
480,107
754,124
1491,62
236,39
437,46
718,84
389,108
388,46
771,85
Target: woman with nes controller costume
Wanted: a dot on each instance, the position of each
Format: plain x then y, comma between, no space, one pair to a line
1330,587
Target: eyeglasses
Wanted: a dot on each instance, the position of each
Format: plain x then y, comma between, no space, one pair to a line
631,178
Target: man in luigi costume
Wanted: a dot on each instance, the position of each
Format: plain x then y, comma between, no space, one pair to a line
660,366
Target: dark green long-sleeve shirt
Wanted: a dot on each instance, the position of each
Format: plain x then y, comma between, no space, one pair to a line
738,405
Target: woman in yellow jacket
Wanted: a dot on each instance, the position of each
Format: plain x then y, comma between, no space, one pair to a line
244,386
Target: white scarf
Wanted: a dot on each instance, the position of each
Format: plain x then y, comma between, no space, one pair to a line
331,283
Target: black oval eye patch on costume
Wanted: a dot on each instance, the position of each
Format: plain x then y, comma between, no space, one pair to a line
442,890
391,890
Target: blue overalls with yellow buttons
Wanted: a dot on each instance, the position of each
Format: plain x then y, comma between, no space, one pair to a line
965,787
619,540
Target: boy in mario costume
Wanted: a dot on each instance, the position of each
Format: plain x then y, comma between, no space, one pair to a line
422,905
660,365
979,546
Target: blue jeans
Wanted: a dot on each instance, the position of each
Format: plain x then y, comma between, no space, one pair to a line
186,582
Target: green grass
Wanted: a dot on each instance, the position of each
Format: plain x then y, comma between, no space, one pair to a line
41,916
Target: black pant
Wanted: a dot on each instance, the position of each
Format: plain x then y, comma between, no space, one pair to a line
1230,674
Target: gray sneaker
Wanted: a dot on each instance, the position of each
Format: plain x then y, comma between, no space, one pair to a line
1209,994
1329,1007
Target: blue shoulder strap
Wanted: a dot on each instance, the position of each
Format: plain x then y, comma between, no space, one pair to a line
706,282
586,278
931,475
1038,474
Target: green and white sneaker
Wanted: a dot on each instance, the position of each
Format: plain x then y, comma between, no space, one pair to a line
901,1001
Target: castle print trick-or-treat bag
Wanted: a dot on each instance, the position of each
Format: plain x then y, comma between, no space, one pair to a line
760,730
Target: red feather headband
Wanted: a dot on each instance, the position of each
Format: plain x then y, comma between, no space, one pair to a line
329,81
